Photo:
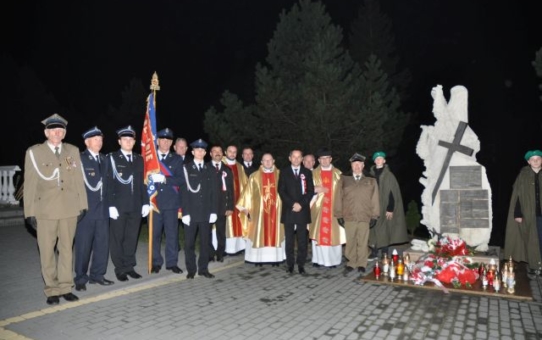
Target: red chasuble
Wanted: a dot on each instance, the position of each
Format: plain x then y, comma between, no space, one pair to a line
325,225
269,195
236,222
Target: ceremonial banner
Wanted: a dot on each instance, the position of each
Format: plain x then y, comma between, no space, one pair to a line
148,150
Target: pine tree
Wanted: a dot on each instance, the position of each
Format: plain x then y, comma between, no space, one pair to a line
310,94
372,34
383,121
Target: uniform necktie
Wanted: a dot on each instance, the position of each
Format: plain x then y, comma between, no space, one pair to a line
200,167
97,159
357,178
296,174
129,157
57,152
162,156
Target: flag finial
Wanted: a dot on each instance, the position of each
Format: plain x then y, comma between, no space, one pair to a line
155,83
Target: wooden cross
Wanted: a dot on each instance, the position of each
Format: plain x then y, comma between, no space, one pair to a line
452,147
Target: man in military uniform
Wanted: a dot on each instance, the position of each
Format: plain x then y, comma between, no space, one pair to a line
54,200
92,235
128,202
199,207
168,199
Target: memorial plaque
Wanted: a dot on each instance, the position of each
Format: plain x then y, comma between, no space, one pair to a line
465,177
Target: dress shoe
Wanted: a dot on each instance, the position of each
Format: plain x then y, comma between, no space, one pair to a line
316,265
190,275
275,265
290,270
155,269
103,282
175,269
259,265
302,271
70,297
347,271
212,259
53,300
122,277
207,275
220,259
133,274
361,270
80,286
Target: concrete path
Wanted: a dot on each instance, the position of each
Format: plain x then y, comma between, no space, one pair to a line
247,302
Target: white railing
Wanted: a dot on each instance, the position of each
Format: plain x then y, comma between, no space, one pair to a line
7,189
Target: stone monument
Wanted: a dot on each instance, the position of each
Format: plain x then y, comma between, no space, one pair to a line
457,196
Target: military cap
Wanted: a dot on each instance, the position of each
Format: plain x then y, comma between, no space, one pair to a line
92,133
55,121
532,153
200,143
379,154
165,133
357,158
126,132
323,152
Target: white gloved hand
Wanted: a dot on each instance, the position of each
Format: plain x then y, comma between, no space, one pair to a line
145,209
113,213
186,219
158,178
212,218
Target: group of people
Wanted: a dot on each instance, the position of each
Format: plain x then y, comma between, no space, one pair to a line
89,206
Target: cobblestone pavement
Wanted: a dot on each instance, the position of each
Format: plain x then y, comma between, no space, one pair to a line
247,302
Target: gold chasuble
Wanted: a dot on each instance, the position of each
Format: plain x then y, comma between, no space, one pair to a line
324,228
234,227
263,204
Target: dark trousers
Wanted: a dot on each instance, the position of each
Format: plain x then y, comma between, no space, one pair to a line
291,234
123,235
220,227
190,234
165,222
91,238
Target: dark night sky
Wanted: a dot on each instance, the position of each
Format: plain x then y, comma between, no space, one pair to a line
86,54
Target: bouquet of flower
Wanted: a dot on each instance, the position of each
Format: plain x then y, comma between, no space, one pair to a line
449,247
445,263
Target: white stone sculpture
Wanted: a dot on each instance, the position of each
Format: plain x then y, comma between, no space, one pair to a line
451,146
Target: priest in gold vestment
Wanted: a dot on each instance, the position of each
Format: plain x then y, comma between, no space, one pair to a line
324,230
260,207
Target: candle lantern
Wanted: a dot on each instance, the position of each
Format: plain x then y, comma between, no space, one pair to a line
400,269
385,265
377,270
395,256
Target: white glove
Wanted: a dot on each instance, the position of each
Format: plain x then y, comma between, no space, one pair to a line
145,209
186,219
212,218
113,213
158,178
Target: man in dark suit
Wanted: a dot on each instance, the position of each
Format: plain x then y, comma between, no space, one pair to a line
181,149
248,164
199,207
128,202
168,184
296,189
92,234
225,203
